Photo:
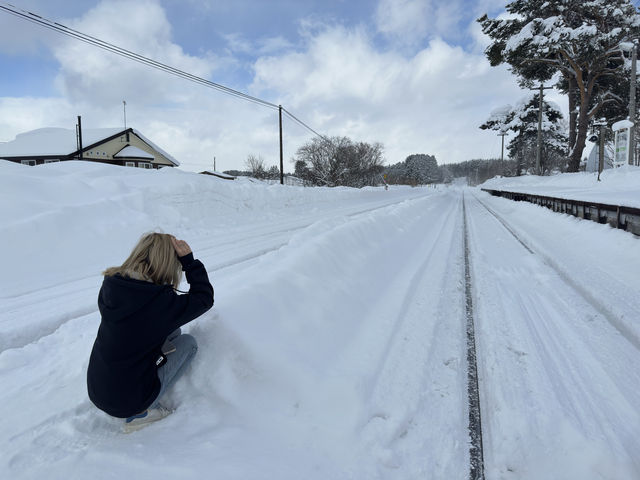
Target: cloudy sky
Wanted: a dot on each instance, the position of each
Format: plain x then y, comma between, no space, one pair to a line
410,74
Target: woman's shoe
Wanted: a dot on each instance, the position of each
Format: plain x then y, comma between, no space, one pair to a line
141,420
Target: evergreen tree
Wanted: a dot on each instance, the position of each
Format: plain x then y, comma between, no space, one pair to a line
417,169
522,119
578,39
478,170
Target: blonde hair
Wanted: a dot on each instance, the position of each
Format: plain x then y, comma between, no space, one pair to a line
153,259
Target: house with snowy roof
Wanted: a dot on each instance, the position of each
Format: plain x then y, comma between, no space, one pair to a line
116,146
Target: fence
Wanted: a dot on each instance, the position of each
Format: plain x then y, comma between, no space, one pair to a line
617,216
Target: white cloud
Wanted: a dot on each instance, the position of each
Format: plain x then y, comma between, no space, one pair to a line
92,75
19,36
432,102
338,81
28,113
238,43
410,21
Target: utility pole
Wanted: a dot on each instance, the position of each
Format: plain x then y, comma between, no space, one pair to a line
124,109
281,153
214,164
502,134
539,151
79,130
632,105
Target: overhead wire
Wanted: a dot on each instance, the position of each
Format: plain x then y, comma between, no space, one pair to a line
57,27
301,123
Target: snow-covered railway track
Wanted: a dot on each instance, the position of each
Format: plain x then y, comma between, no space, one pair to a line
476,455
556,379
416,394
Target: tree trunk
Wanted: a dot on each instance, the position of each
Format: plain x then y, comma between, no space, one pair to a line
519,160
574,96
581,137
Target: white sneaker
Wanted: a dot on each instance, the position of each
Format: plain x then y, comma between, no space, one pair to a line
143,419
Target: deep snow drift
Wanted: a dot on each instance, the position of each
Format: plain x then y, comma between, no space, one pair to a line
336,348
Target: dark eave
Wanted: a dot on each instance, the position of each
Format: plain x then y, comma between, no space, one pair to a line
104,140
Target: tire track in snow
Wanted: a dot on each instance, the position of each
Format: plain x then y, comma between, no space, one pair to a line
476,455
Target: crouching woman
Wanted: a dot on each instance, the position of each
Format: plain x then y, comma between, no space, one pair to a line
139,350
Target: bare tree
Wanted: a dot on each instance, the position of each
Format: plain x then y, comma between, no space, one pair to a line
339,161
255,165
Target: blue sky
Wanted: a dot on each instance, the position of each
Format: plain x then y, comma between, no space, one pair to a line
408,73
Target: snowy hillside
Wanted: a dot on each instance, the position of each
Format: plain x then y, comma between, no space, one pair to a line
336,348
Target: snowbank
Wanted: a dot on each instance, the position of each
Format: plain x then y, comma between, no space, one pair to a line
618,186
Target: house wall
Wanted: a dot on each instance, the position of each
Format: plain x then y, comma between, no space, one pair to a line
105,152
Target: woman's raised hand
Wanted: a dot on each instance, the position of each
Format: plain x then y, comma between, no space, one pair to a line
182,248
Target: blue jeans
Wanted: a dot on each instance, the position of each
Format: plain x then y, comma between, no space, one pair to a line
177,362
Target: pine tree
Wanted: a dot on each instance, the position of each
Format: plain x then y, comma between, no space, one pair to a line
522,119
578,39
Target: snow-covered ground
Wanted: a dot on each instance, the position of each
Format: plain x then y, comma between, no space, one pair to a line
337,345
618,186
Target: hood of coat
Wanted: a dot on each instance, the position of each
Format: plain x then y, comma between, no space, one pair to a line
122,296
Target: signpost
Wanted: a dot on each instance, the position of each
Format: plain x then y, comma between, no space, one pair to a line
623,138
602,123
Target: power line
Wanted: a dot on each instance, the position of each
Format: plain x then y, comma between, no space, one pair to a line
83,37
301,123
57,27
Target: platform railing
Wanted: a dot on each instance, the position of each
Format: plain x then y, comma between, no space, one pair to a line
617,216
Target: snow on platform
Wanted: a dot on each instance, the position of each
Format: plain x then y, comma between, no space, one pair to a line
618,186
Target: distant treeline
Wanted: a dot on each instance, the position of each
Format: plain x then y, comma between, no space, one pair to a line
339,161
479,170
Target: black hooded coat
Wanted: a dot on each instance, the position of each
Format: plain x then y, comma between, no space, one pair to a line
137,317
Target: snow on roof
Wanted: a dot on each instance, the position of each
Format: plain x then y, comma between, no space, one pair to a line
133,152
621,124
53,141
156,147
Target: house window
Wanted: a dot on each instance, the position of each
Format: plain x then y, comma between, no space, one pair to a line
129,164
31,163
144,165
52,161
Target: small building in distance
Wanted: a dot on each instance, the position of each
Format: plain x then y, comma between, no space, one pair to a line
115,146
